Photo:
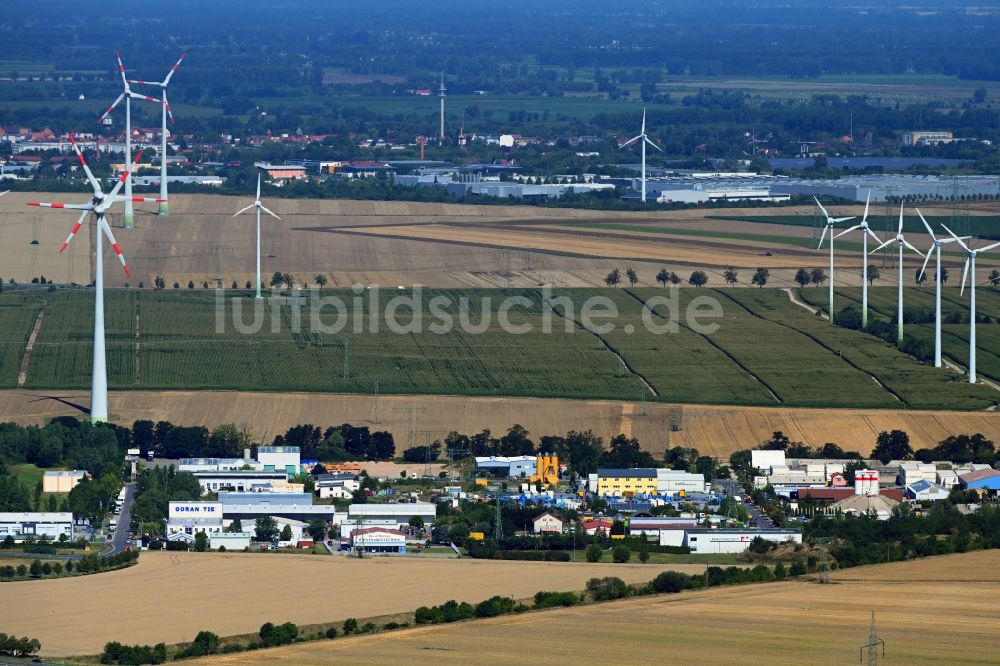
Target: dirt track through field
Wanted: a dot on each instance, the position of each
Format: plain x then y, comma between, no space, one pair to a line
713,430
923,612
171,596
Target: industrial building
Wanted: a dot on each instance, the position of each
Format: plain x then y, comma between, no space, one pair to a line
622,482
376,540
911,471
341,485
675,481
927,137
856,188
278,458
925,491
292,506
706,540
238,481
62,481
507,467
230,540
987,480
36,525
398,515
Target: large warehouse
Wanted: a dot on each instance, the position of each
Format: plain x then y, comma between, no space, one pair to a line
36,525
391,514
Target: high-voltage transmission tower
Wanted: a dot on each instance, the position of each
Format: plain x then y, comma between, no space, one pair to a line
870,649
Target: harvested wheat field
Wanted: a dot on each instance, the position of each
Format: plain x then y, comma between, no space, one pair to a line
171,596
940,610
713,430
200,242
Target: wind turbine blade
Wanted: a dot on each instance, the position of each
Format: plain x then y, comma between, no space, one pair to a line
244,210
121,68
823,236
872,234
270,213
76,228
633,139
907,244
826,214
146,199
125,175
643,121
957,239
653,144
867,201
838,220
170,114
900,219
882,246
988,247
42,204
847,231
159,84
965,274
926,259
86,169
926,226
173,69
258,186
111,108
3,193
135,95
114,245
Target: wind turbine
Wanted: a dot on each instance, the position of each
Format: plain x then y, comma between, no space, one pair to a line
865,233
162,85
902,242
98,205
936,245
830,222
970,272
257,204
129,217
645,140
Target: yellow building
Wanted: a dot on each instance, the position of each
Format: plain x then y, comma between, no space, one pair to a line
60,481
624,482
547,469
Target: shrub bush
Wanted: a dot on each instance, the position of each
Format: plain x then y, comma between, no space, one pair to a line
671,582
553,599
606,589
494,606
331,632
621,554
204,643
133,655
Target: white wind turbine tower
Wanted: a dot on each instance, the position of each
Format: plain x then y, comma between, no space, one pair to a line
970,272
128,96
98,205
935,246
256,204
899,238
865,233
162,85
830,222
645,140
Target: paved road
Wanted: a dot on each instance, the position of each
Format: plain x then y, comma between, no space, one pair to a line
758,517
120,540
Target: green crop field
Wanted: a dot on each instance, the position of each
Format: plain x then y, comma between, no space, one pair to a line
918,303
763,350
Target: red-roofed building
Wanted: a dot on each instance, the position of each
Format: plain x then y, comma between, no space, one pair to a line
591,526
